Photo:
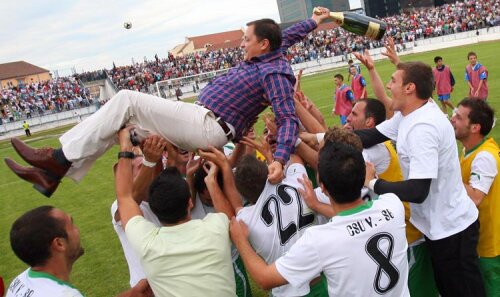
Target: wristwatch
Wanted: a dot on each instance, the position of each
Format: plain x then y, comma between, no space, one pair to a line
128,155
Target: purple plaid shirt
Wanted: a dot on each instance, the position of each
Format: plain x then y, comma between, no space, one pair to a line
247,89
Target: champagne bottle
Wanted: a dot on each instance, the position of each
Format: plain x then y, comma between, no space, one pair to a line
358,24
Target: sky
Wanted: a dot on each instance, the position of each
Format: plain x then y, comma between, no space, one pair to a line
89,34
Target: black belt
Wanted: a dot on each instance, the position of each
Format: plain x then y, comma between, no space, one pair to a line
219,120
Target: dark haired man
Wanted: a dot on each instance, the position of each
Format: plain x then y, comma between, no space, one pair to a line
427,153
276,215
203,205
47,239
476,76
226,109
343,98
480,164
444,83
352,248
183,256
145,168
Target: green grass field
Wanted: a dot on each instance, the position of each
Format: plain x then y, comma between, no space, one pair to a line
102,271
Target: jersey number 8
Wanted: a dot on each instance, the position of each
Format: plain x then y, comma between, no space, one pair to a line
383,260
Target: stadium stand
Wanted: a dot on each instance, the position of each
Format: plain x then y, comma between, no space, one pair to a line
325,42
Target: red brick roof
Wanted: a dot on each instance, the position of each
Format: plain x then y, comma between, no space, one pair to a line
19,68
217,38
230,44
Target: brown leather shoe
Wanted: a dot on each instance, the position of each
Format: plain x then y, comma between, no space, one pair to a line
41,158
42,180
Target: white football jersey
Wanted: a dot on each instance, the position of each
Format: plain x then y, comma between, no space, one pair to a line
427,149
361,251
39,284
277,220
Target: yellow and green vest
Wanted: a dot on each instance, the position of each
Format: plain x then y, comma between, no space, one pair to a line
489,208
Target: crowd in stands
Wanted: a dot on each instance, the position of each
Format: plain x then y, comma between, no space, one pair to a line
141,76
91,75
446,19
406,27
25,100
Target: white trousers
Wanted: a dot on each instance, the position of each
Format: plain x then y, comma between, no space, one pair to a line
186,125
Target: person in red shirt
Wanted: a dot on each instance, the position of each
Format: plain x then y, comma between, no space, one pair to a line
344,97
358,84
444,82
476,76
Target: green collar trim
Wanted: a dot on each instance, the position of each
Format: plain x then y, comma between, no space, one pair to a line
356,209
474,148
40,274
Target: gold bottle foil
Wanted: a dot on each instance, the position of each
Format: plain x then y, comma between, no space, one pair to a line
373,30
338,17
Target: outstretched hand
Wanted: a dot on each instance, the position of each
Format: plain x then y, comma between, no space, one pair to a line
214,155
391,51
212,170
192,164
320,14
124,138
365,59
153,148
259,144
270,123
307,192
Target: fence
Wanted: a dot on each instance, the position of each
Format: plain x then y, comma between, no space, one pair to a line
46,121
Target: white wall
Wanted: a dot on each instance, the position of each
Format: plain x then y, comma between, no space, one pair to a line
47,121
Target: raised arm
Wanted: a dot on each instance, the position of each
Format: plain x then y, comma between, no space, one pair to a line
308,154
261,145
219,159
298,78
218,198
152,150
266,276
297,32
191,168
127,206
238,152
314,111
376,81
311,124
390,51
